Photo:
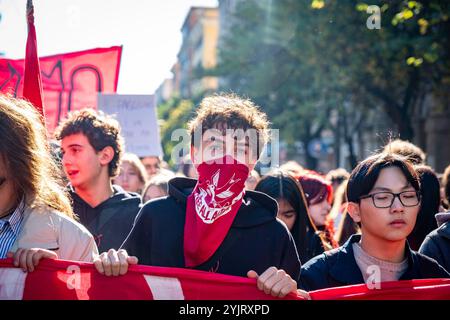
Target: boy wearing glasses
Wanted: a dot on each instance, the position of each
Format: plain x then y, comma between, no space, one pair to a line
384,198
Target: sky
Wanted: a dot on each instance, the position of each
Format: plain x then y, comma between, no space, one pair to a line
149,31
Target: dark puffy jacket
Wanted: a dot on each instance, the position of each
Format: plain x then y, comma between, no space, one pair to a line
437,243
338,267
111,221
255,241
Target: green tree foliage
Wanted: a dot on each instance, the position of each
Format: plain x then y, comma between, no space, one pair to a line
175,114
301,60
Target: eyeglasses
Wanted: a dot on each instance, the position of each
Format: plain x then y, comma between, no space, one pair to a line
386,199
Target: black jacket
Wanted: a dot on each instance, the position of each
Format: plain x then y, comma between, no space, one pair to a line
437,244
338,267
255,241
110,222
314,245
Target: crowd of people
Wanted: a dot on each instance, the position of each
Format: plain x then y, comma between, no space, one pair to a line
80,197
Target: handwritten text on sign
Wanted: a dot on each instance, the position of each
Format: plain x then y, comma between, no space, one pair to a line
137,117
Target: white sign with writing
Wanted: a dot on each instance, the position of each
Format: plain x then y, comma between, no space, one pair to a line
137,117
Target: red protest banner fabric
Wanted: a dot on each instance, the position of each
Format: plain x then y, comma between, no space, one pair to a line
69,280
70,81
32,87
421,289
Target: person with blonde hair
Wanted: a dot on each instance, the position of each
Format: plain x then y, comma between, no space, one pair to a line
406,149
132,175
292,167
36,218
156,187
252,180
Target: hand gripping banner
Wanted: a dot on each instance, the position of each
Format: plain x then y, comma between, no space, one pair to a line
69,280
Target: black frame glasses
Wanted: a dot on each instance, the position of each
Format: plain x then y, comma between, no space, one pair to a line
376,201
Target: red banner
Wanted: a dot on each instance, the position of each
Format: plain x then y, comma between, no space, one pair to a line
421,289
70,81
69,280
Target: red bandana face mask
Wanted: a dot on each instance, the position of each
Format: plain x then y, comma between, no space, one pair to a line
212,207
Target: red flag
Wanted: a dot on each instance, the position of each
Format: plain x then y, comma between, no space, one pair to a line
69,280
70,81
32,87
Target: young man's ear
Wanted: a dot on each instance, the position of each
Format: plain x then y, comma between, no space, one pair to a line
354,211
106,155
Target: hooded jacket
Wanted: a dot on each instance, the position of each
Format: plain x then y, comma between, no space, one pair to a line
338,267
255,241
110,221
437,243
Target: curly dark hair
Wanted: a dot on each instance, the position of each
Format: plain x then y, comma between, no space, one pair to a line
101,131
229,111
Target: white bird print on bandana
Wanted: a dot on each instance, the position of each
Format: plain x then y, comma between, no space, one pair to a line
216,201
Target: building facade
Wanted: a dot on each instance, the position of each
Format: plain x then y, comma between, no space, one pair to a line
198,52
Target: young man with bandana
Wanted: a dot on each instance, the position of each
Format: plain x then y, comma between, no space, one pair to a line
213,223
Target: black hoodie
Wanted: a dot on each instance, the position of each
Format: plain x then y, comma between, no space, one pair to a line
110,221
255,241
437,244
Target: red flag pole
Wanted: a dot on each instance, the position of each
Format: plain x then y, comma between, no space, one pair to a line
32,88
